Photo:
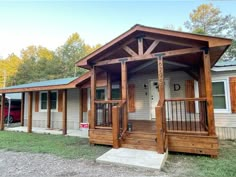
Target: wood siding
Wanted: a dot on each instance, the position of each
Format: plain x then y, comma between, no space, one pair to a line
60,104
193,144
232,84
100,136
36,98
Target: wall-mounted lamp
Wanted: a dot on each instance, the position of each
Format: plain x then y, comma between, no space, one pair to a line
145,86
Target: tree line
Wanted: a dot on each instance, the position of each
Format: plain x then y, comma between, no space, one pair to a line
37,63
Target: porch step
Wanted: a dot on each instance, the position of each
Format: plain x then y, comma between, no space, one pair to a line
142,135
140,147
140,140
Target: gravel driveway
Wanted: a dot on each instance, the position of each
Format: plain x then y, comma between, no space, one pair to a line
34,165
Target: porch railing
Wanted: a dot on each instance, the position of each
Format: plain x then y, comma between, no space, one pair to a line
186,115
103,113
118,123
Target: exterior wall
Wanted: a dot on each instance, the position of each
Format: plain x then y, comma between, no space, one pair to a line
225,122
39,119
142,105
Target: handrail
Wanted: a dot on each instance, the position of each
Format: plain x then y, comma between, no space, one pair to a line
108,101
121,103
186,99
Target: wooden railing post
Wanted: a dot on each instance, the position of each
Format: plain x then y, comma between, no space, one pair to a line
115,127
160,139
2,111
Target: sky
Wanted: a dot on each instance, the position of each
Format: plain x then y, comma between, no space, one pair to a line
50,23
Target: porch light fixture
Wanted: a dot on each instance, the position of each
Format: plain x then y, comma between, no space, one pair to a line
145,86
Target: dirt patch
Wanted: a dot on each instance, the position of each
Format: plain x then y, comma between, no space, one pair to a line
29,164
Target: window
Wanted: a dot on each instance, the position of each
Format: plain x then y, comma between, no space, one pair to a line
43,100
220,95
100,94
115,94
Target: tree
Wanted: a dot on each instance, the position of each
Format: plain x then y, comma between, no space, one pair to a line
36,65
207,19
73,50
9,67
172,27
39,63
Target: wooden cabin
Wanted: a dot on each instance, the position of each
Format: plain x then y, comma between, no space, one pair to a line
149,66
148,88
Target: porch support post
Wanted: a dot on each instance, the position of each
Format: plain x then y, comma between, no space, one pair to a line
64,112
22,109
124,92
160,75
160,109
80,106
201,82
29,123
49,109
109,89
208,86
2,111
93,94
202,93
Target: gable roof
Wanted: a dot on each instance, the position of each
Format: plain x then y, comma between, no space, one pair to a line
140,30
56,84
222,66
225,63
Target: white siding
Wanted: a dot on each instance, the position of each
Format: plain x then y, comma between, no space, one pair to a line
40,118
142,95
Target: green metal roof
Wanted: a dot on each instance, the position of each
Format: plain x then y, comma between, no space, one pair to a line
62,81
225,63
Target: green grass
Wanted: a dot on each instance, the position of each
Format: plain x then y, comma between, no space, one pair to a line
74,147
63,146
204,166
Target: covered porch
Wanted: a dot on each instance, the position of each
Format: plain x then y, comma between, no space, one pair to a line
181,124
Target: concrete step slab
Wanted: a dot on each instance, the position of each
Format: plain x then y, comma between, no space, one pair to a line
134,157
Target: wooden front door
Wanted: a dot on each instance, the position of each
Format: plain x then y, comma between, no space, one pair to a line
154,97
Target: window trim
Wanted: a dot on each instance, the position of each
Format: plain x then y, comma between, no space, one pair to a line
45,110
227,96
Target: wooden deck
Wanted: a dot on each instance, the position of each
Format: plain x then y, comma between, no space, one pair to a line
143,136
